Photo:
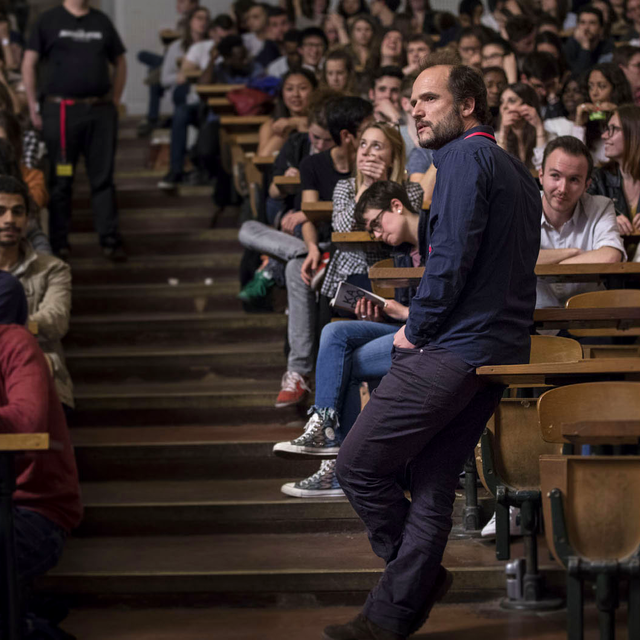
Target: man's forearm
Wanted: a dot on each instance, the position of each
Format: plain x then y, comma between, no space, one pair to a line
120,79
309,235
605,255
29,81
556,256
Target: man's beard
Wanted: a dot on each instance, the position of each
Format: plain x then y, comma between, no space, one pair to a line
448,129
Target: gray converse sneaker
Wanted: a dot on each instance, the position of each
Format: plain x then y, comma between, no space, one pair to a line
318,440
322,484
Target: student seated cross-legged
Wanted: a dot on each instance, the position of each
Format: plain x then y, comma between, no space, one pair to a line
358,351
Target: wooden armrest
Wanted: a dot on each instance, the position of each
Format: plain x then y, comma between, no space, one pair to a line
597,432
27,442
231,121
33,327
218,102
263,161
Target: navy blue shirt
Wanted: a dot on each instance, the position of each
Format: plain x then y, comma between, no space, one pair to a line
478,291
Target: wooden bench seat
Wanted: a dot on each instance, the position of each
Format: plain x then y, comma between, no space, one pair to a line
614,298
219,90
167,36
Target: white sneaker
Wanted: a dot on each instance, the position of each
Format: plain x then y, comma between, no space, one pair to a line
322,484
319,439
489,530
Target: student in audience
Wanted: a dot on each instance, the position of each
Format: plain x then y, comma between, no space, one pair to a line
497,53
154,62
407,126
384,11
196,28
633,16
34,178
309,13
560,10
390,52
380,157
313,45
255,18
354,352
619,179
419,46
588,45
495,80
46,279
256,235
290,113
319,174
628,59
77,69
235,68
277,25
349,9
521,32
470,46
222,26
572,95
540,71
334,28
576,227
291,58
385,94
520,129
338,73
547,25
470,13
422,17
548,42
362,35
607,88
46,503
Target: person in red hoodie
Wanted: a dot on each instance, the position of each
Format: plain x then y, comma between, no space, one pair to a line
47,499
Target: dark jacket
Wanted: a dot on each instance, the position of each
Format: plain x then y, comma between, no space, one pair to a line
580,60
607,181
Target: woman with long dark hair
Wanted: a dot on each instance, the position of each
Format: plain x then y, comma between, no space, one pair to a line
619,178
520,130
606,87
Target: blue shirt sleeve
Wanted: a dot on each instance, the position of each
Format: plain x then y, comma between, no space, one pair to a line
461,205
419,160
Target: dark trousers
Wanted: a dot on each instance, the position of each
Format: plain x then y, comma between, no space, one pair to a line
91,131
183,116
419,427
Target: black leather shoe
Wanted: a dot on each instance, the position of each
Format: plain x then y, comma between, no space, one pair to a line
360,628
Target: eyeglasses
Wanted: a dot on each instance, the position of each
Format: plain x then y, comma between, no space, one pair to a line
375,225
612,129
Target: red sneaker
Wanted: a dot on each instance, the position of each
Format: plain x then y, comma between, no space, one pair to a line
321,271
294,390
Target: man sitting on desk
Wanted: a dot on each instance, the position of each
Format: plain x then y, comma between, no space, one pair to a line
47,498
576,226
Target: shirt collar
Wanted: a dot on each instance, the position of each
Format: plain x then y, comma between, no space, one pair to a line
437,155
572,221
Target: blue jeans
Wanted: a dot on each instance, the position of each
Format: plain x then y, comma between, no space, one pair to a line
39,543
350,353
156,91
183,116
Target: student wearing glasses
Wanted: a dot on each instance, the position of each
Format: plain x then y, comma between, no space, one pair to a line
619,179
358,351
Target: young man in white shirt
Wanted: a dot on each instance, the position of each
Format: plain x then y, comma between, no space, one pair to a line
576,226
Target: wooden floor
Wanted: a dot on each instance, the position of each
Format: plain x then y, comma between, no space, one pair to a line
447,622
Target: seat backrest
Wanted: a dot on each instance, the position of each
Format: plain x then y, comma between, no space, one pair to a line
604,299
586,402
517,444
554,349
384,292
600,498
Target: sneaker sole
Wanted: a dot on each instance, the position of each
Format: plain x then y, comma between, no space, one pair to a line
287,450
290,490
282,405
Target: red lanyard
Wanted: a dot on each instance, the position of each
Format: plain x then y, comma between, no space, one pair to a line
63,128
480,133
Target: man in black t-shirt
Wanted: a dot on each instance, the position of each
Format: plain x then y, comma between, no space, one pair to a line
76,45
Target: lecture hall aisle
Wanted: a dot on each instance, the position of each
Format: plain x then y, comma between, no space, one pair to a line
186,533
